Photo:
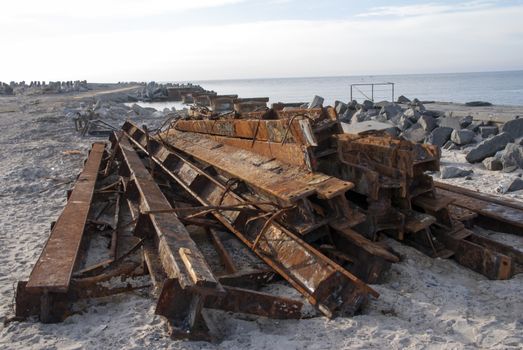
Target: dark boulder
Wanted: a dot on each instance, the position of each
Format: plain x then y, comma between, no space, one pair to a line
415,133
488,147
427,122
514,127
439,136
403,99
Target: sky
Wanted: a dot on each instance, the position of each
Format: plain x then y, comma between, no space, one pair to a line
178,40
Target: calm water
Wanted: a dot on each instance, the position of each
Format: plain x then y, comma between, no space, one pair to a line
503,88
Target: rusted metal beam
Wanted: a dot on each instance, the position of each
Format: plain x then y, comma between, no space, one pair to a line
324,283
188,277
227,261
247,301
276,179
276,131
492,213
488,262
53,270
252,279
174,242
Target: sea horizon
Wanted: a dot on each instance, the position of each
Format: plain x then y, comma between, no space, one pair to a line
497,87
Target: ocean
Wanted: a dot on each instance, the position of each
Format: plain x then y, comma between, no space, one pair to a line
500,88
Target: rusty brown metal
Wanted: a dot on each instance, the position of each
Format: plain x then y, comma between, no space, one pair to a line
276,179
247,301
488,262
261,130
226,258
325,284
186,279
54,268
493,214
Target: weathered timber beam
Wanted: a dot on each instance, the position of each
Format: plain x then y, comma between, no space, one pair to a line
227,261
252,279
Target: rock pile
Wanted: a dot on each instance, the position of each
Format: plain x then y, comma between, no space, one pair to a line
57,87
153,91
51,87
499,148
5,89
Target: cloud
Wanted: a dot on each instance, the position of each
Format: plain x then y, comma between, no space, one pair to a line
426,9
41,10
476,40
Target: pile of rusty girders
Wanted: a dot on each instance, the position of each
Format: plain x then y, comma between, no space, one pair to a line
214,209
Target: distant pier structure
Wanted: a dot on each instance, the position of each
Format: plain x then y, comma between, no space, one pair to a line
370,91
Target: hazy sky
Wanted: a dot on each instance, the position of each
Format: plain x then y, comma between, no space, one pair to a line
113,40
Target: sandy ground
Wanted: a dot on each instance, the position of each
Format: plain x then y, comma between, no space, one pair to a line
424,303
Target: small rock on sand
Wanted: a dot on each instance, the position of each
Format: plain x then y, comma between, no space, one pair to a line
515,185
492,163
449,172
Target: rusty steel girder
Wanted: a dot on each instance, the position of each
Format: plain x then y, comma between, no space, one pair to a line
492,213
187,279
316,204
397,196
324,283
